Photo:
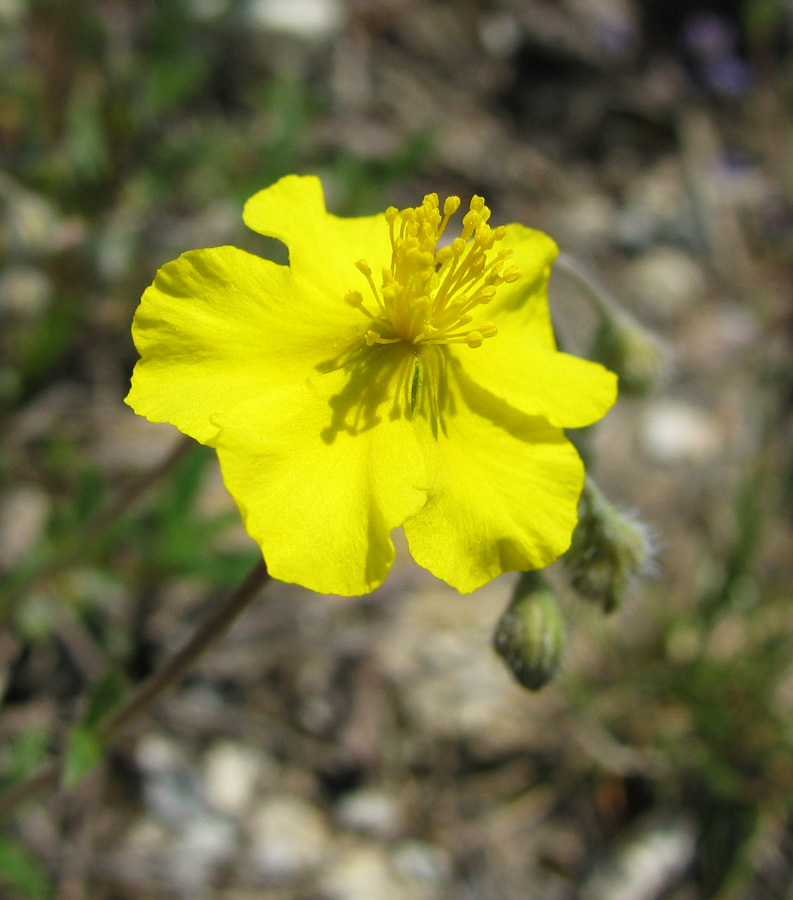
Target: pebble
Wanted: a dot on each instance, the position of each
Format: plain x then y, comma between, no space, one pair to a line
309,19
422,863
30,222
500,33
646,867
206,843
24,291
171,788
656,206
289,837
672,431
665,281
369,811
588,220
413,870
24,511
231,771
361,873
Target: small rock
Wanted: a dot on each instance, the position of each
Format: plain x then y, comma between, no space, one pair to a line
207,10
30,222
500,34
413,870
24,291
363,874
170,786
647,866
672,431
289,837
369,811
422,863
310,19
230,775
657,206
24,511
665,281
206,843
588,219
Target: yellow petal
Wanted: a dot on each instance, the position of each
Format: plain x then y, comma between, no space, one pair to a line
322,473
566,391
503,492
322,247
523,304
220,325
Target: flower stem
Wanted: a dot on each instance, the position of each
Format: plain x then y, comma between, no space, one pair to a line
144,696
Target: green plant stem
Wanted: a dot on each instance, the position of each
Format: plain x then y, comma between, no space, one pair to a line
143,697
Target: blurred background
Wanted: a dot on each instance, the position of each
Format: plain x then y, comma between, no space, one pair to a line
376,748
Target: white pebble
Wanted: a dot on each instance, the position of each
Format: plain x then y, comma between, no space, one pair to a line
675,432
230,775
289,837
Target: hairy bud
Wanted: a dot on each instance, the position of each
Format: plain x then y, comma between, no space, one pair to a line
530,635
609,553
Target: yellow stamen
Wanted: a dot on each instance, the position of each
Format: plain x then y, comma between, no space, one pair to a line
430,294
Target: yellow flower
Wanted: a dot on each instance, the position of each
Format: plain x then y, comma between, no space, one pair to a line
362,387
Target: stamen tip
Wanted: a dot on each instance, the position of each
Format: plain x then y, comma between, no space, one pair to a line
451,205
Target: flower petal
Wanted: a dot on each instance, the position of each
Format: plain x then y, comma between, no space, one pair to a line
503,495
322,247
523,304
566,391
220,325
322,473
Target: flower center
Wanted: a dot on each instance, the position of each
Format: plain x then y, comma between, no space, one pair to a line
428,294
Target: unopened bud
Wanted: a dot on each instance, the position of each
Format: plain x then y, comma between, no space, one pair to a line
609,553
627,348
530,635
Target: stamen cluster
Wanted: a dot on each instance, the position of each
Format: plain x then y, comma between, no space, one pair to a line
428,293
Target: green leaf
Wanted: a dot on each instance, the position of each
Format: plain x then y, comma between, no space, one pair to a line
106,695
21,872
83,753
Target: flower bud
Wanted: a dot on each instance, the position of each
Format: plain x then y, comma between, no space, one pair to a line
628,349
610,551
530,635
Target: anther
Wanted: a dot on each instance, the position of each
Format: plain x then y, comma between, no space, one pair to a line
443,255
363,266
451,205
486,294
511,274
